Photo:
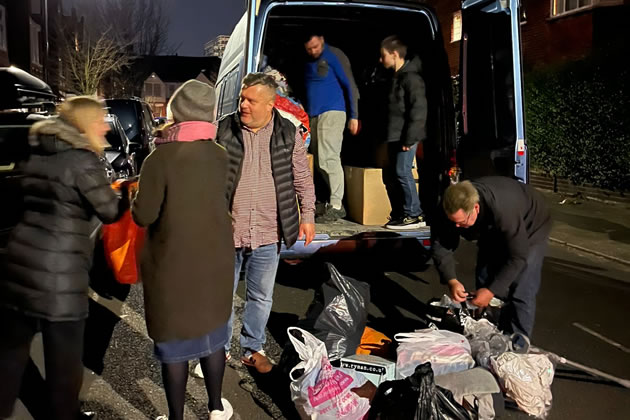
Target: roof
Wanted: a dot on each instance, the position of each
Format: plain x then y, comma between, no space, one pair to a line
175,68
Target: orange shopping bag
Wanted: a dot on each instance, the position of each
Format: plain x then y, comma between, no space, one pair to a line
374,342
123,241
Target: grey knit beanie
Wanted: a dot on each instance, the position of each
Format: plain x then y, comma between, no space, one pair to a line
192,101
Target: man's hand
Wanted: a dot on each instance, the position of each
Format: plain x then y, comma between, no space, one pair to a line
307,230
406,148
353,126
482,298
457,290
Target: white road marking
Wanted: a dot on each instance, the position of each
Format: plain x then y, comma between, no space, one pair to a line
601,337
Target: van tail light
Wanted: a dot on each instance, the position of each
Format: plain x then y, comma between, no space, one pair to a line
520,147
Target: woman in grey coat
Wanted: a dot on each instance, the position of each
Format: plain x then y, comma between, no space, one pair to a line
187,264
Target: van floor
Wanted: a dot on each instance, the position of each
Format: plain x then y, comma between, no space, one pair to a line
343,228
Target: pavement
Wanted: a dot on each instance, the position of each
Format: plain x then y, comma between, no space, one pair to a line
596,227
582,315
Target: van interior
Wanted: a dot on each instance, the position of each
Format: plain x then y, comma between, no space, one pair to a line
358,32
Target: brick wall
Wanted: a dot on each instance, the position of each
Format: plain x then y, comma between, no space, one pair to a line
544,41
444,10
548,40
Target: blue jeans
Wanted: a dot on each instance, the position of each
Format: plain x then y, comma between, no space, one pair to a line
519,314
259,266
399,182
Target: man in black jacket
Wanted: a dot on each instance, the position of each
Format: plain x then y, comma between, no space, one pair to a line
511,223
406,127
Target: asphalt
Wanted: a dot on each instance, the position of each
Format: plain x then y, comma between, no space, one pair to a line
582,315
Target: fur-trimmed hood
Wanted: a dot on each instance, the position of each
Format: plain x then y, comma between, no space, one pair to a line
56,135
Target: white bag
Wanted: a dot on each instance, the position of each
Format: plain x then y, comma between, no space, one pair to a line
324,392
527,379
447,351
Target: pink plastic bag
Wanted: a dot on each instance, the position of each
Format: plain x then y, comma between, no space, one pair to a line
324,392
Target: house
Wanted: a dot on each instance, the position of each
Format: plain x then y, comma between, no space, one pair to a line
552,31
30,38
167,73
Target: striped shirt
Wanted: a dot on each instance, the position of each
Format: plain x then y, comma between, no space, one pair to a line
255,207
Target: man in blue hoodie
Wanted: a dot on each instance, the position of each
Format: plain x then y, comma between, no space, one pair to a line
331,94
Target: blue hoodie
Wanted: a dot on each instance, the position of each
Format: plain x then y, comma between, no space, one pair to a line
330,85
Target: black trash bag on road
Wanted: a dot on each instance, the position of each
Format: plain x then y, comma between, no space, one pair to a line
338,314
417,398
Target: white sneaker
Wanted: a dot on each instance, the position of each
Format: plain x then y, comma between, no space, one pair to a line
161,418
197,372
226,414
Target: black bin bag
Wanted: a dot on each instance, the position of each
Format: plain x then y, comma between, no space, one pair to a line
338,314
417,398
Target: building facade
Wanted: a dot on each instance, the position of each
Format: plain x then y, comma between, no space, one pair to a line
32,37
215,47
552,31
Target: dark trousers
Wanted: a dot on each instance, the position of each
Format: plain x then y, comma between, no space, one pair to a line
63,347
399,182
519,314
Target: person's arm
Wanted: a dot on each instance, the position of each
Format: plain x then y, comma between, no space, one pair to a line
304,188
343,70
147,204
416,110
97,191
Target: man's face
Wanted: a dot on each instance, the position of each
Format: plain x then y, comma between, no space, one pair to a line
256,106
315,47
388,59
463,219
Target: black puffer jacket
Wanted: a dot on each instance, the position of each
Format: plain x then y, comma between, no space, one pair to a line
407,105
50,251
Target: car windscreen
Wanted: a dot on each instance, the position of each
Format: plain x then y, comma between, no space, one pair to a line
129,119
113,138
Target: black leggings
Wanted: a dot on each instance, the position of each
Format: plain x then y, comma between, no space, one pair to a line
63,347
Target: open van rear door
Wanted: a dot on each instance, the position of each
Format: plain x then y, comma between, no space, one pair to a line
491,95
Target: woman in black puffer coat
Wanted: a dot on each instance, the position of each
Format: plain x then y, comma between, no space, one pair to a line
44,283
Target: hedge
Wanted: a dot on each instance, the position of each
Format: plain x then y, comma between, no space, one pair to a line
577,120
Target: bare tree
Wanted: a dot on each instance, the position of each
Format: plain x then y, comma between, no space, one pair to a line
142,24
91,61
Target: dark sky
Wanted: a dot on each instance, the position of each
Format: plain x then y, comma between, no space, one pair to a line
195,22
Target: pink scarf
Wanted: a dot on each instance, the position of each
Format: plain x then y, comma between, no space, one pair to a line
188,131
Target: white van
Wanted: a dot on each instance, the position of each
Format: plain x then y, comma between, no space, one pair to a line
491,121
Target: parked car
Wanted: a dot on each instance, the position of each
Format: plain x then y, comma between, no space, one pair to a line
25,100
136,119
118,153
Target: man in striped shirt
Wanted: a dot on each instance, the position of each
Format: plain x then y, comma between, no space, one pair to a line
267,169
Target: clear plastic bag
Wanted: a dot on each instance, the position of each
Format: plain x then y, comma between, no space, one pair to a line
447,351
527,380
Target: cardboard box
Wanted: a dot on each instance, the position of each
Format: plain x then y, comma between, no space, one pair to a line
366,196
376,369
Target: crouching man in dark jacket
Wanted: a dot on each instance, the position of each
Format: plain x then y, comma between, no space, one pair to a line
511,223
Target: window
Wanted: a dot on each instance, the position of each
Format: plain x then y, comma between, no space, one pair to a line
148,89
560,7
456,27
157,89
3,28
36,31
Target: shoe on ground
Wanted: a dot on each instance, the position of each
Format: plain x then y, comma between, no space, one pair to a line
198,373
259,361
406,223
224,414
85,415
393,221
331,215
161,418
